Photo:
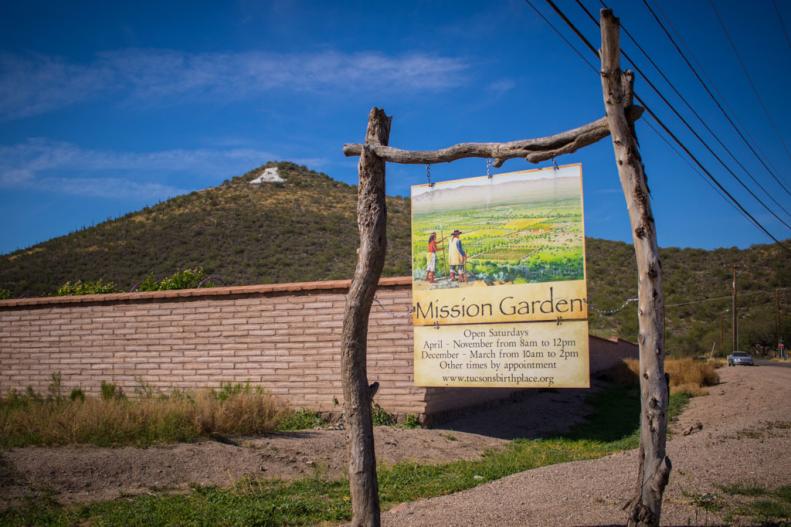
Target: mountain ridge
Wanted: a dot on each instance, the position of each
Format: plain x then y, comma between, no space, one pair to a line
304,229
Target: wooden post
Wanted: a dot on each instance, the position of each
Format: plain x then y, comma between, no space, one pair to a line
646,507
371,221
777,322
735,314
357,394
722,334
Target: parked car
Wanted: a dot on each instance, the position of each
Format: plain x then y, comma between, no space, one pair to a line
740,358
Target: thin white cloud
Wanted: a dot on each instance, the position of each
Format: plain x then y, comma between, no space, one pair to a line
501,86
108,188
608,190
55,166
33,84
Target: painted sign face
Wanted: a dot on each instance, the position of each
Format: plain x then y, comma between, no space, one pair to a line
498,272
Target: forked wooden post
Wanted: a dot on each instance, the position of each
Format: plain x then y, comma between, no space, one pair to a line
357,394
654,471
371,218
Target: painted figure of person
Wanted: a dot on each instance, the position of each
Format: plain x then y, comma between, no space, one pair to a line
456,257
431,259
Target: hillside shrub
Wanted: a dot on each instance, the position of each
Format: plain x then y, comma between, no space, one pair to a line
88,287
4,294
184,279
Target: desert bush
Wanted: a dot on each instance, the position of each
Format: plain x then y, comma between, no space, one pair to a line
300,420
4,294
686,375
86,288
691,373
29,419
110,391
381,417
184,279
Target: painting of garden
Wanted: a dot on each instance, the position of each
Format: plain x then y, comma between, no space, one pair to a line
522,227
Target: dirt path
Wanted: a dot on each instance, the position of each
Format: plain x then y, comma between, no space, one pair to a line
745,438
86,473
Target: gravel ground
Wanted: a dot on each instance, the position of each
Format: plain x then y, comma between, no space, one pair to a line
88,473
744,438
741,433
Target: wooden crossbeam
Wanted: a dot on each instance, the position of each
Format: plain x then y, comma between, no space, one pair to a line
533,150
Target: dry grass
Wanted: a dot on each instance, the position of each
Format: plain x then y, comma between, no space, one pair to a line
686,375
717,363
690,375
181,416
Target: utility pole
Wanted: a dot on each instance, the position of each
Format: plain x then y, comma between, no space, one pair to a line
722,333
777,319
735,315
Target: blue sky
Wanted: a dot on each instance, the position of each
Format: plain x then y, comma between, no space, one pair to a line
106,107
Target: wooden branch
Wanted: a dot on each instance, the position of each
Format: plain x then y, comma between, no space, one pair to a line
533,150
357,394
654,469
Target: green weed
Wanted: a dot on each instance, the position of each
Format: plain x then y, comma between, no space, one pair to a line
300,420
612,427
381,417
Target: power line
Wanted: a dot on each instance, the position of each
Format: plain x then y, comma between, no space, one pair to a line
782,23
692,109
689,126
750,79
669,132
563,37
709,174
647,122
728,297
613,311
715,91
690,165
713,97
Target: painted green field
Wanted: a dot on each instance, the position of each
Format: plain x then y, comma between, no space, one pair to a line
516,243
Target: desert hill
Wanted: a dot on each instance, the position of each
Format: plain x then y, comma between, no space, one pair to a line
304,228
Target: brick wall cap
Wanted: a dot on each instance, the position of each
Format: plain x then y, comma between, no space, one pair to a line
261,289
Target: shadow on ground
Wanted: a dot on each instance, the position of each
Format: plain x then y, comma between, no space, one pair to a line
606,412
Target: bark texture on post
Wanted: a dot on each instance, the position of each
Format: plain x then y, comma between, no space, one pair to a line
357,394
533,150
646,507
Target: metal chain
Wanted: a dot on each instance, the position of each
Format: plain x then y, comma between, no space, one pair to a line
610,312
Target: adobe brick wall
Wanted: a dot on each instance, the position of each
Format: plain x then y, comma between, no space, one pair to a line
606,353
285,337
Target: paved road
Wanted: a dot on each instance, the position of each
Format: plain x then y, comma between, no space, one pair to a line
773,364
748,412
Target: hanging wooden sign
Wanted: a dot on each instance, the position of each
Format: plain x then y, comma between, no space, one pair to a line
498,274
